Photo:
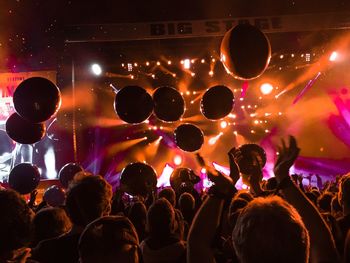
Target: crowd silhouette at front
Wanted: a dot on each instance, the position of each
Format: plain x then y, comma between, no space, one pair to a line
275,220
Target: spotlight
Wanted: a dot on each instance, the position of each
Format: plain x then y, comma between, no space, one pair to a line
223,124
177,159
333,57
187,63
266,88
96,69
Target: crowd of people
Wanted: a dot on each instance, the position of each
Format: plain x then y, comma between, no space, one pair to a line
278,220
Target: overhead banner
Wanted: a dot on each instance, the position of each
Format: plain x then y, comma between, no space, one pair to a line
204,28
8,85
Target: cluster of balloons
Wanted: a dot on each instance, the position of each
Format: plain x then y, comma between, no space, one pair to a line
35,100
134,105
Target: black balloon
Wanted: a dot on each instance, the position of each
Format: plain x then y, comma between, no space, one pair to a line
23,131
217,102
133,104
67,173
54,196
138,179
24,178
188,137
169,105
251,153
183,177
37,99
245,52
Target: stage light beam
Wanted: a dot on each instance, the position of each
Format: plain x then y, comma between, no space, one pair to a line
177,160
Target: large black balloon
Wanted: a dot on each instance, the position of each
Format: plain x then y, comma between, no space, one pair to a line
245,52
23,131
37,99
67,173
251,153
133,104
183,177
138,179
24,178
188,137
217,102
169,105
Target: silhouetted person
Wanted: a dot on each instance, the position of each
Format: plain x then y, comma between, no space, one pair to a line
162,245
88,198
138,216
50,222
109,239
15,227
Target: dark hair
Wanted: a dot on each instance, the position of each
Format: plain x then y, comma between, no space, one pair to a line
243,194
109,239
335,205
270,230
186,202
324,202
271,184
88,198
344,190
50,222
168,194
160,218
15,221
138,215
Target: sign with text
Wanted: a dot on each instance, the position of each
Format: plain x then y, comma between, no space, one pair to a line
204,28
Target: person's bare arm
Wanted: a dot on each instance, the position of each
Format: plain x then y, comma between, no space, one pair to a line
322,246
207,220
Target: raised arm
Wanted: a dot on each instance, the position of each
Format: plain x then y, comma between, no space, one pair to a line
322,246
207,219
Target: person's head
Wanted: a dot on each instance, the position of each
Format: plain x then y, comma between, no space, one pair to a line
312,197
50,222
168,194
243,194
88,198
270,230
109,239
186,202
324,202
336,207
15,223
161,219
138,216
271,184
344,191
235,207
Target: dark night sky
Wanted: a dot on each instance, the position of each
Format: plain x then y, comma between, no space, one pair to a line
32,31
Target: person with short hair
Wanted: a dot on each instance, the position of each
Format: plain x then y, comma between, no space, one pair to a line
270,230
50,222
88,198
109,239
162,244
15,227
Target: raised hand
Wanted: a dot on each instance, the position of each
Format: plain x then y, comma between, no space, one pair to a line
287,156
234,169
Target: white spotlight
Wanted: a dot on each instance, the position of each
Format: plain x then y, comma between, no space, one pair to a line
266,88
223,124
333,56
177,159
96,69
187,63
